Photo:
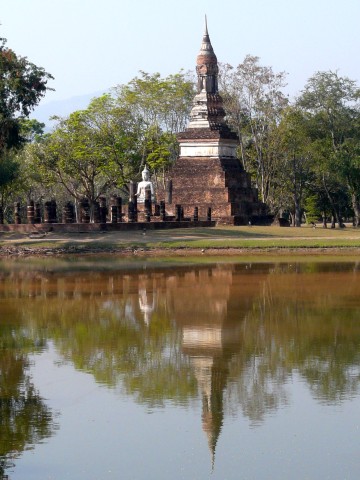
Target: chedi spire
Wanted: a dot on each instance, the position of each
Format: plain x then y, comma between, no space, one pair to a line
208,110
206,65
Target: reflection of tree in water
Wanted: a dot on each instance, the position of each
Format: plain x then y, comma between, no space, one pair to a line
297,325
24,417
309,325
256,387
104,328
234,333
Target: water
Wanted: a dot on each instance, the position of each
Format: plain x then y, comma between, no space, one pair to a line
185,371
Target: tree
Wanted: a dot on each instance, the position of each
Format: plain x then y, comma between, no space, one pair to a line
22,85
295,171
253,101
332,103
9,177
25,419
72,158
90,153
103,147
165,102
162,106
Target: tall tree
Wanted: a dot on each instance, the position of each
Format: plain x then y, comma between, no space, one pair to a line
79,154
162,105
22,85
333,105
253,101
295,161
104,146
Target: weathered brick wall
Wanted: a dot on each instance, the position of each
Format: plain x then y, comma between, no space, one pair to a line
219,183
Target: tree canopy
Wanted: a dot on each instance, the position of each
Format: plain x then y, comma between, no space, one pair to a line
22,85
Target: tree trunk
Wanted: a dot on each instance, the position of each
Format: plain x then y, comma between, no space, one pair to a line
335,214
332,220
292,219
356,207
324,222
297,216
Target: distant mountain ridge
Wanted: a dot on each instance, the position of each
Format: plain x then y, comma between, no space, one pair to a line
63,108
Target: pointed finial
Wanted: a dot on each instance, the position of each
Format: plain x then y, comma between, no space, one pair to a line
206,28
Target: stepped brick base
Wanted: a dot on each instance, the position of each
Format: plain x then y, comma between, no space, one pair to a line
219,183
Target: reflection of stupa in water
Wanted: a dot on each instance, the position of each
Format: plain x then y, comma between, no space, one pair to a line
209,333
211,374
209,338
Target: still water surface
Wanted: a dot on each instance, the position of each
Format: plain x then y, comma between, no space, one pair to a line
198,371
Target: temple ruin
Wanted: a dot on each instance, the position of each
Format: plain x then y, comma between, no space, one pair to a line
208,173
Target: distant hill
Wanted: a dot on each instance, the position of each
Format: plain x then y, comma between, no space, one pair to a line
62,108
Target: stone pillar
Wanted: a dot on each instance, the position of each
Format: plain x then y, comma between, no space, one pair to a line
135,209
30,213
37,218
1,216
162,211
17,216
131,212
113,211
196,214
68,215
208,214
147,205
103,209
64,213
177,213
53,211
96,212
119,209
132,207
47,212
169,191
84,211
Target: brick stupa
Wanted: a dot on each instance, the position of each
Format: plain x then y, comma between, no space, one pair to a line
207,172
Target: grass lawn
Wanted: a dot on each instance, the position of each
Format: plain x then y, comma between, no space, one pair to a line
218,238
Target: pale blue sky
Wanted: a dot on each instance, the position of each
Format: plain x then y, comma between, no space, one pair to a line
90,45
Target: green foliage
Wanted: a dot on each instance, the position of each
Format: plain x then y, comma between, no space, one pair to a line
22,85
9,177
9,169
103,147
295,162
75,155
161,102
332,105
31,129
312,209
254,100
25,419
160,148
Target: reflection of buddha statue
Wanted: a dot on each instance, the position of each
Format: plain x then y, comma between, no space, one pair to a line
144,185
146,305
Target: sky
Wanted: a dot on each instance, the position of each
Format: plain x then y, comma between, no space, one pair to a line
90,46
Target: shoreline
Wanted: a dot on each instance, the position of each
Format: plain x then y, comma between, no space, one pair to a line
143,251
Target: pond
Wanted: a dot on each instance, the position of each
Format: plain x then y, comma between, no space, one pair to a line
220,369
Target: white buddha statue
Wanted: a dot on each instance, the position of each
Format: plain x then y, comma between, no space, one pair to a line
144,185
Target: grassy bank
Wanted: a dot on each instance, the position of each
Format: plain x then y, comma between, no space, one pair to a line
223,240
